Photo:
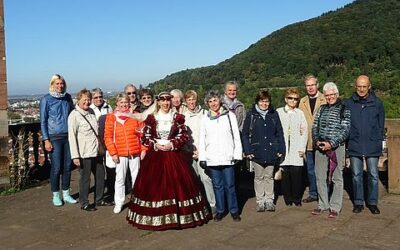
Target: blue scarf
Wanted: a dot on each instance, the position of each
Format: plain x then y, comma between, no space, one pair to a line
263,113
215,115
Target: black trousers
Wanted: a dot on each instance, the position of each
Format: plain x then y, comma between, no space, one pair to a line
89,165
292,184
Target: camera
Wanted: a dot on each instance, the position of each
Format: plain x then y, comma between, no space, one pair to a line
321,144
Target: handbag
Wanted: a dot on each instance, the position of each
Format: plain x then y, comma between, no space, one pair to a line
278,174
110,163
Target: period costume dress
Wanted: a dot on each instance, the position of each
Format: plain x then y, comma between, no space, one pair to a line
166,194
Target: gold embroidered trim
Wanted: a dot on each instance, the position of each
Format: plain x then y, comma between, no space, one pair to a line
164,203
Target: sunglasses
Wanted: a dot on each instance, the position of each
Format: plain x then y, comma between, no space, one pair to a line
131,93
292,98
164,98
98,97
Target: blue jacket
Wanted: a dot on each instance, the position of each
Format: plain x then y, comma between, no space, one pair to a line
367,125
54,115
263,138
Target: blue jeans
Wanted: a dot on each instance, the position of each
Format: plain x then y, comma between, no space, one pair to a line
312,180
357,166
223,180
60,162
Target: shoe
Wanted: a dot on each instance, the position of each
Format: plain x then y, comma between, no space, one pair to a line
117,209
309,199
89,208
288,203
260,208
358,208
333,214
67,197
297,203
270,207
236,217
218,217
317,211
56,199
374,209
103,203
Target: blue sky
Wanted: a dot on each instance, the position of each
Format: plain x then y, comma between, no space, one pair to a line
107,44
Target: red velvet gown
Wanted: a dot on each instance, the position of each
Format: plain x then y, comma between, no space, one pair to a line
166,194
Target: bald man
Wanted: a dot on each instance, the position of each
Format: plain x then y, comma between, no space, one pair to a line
365,142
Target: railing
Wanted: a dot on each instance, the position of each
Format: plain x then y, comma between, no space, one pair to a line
28,161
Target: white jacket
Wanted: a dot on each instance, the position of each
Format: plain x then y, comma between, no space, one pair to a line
294,125
105,109
193,121
219,145
82,139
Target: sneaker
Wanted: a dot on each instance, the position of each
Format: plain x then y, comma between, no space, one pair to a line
218,217
236,217
270,207
103,203
358,208
317,211
89,207
374,209
117,209
260,208
309,199
333,214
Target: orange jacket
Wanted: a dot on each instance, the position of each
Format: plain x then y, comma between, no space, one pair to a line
127,138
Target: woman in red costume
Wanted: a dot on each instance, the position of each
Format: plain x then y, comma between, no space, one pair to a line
166,194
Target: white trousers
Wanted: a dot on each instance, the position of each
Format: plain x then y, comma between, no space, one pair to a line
133,163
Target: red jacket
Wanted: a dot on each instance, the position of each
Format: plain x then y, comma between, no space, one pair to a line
127,138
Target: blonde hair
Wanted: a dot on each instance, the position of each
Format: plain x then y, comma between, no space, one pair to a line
122,96
53,80
291,91
190,93
83,92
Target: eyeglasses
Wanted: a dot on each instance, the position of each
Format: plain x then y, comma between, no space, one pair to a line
146,97
362,87
330,95
131,93
292,98
266,101
164,98
98,97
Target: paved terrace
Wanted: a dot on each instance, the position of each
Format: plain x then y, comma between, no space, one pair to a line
29,221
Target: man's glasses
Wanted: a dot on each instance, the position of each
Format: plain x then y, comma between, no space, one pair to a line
292,98
330,95
131,93
98,97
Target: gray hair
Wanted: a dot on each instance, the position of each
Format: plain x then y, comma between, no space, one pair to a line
310,76
331,86
212,94
178,92
129,85
97,91
232,83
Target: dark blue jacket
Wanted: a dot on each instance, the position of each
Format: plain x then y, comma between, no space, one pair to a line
54,115
367,125
263,138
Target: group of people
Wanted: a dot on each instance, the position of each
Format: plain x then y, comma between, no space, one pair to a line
181,158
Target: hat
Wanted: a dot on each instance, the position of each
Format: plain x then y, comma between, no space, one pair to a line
163,93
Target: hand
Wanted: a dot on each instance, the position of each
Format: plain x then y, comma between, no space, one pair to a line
142,154
115,158
77,162
203,164
302,129
250,156
195,154
279,155
48,145
301,154
324,145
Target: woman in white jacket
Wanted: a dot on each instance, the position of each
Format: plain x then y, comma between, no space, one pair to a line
83,142
219,149
295,131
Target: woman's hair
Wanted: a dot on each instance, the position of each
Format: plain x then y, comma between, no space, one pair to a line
231,83
331,86
97,91
121,96
292,91
57,77
190,93
261,95
82,93
178,92
146,91
212,94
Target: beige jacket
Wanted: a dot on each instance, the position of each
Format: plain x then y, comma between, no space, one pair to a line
304,105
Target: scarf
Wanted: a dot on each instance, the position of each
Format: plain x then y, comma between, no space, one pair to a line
56,94
215,115
263,113
232,105
332,163
122,116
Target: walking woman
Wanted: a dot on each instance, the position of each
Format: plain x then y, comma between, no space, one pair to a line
264,145
219,149
54,110
295,132
166,194
84,144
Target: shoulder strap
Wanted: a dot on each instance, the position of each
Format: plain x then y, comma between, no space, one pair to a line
230,125
94,131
